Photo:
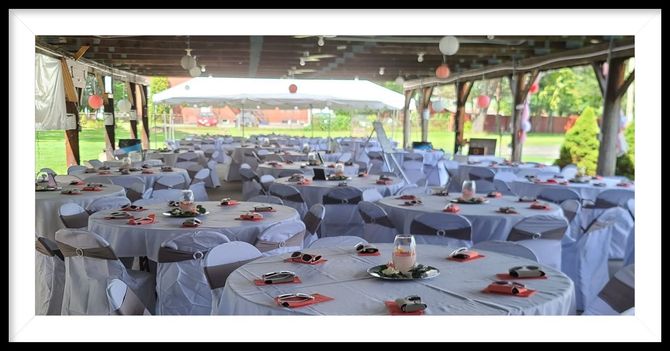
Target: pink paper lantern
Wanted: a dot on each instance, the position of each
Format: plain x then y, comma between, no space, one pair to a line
483,101
442,71
292,88
534,88
95,101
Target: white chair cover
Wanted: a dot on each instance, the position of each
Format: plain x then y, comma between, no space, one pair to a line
187,156
413,166
343,218
201,176
372,195
251,183
378,227
49,277
267,199
542,234
95,163
123,300
558,195
290,195
629,255
107,203
502,187
223,260
571,211
87,275
199,191
585,262
76,169
170,181
342,240
215,174
134,185
180,281
617,297
281,238
312,220
569,171
442,229
622,226
73,216
506,247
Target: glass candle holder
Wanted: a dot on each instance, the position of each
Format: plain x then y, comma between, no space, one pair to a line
404,252
469,189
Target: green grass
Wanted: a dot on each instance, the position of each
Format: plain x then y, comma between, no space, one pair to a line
50,145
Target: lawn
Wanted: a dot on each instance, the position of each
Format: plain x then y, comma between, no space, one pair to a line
50,145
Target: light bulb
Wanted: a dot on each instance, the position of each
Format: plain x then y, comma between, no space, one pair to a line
381,71
321,42
400,80
420,57
302,61
202,68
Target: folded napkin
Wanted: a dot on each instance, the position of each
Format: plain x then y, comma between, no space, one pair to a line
410,305
289,162
316,298
395,310
452,208
104,172
229,202
250,217
527,199
70,192
150,219
165,169
132,208
384,182
362,174
551,181
464,256
77,182
506,276
91,188
119,215
299,260
261,282
494,194
191,223
406,197
539,206
508,288
624,185
149,171
304,182
507,210
264,209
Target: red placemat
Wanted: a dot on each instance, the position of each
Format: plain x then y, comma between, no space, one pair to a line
505,276
318,298
526,293
261,282
395,310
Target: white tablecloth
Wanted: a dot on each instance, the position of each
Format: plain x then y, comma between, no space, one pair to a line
487,223
149,179
47,203
587,191
456,291
464,170
265,168
145,240
314,192
170,158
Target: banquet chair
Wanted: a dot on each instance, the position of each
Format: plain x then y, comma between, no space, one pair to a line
73,216
412,165
180,279
213,181
542,234
312,220
123,300
251,183
341,206
629,255
89,263
95,163
502,187
345,157
222,260
337,241
617,297
290,195
107,203
170,181
76,170
378,227
442,229
436,175
187,156
273,157
585,261
280,238
266,180
192,170
483,178
199,191
49,277
569,171
613,208
134,185
372,195
558,195
377,164
571,210
266,199
506,247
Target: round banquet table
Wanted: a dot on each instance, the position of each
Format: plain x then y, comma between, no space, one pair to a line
487,222
47,203
149,178
265,168
145,240
588,191
170,158
343,277
464,169
313,193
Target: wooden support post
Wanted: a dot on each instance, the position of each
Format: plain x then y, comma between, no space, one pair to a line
131,87
600,77
462,93
427,92
609,128
406,126
72,156
144,115
520,87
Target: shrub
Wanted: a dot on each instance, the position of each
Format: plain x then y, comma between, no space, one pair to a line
581,143
625,164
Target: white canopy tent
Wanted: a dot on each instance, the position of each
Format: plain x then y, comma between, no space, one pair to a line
251,92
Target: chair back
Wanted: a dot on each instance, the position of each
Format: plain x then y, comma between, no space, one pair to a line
378,227
442,228
73,216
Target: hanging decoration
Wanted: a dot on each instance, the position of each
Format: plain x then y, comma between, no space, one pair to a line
449,45
525,121
534,88
124,106
438,105
483,101
442,71
95,101
292,88
621,144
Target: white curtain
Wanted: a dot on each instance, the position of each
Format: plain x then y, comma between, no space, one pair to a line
49,94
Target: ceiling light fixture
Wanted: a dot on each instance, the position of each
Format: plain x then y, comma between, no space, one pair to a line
381,71
202,68
320,42
302,61
420,57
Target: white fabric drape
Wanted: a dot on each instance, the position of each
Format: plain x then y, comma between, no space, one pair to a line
49,94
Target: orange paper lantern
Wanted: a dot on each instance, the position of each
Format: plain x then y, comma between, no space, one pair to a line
483,101
534,88
442,71
95,101
292,88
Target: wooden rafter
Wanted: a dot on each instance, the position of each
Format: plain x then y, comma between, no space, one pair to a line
82,50
629,80
600,77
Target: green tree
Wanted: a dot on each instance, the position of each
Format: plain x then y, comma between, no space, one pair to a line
581,143
567,90
157,85
625,164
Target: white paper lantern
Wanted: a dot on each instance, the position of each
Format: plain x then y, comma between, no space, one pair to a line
449,45
124,106
194,71
187,61
438,105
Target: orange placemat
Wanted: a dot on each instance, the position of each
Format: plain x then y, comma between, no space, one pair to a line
465,259
395,310
525,293
505,276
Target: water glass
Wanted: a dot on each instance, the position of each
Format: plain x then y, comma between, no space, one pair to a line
469,189
404,252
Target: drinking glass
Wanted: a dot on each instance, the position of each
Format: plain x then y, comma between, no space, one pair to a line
469,189
404,252
187,201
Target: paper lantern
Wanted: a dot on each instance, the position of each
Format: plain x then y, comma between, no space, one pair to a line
449,45
442,71
292,88
95,101
438,105
124,106
195,71
534,88
483,101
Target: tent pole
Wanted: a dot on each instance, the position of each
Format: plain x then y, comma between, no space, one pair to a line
311,119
